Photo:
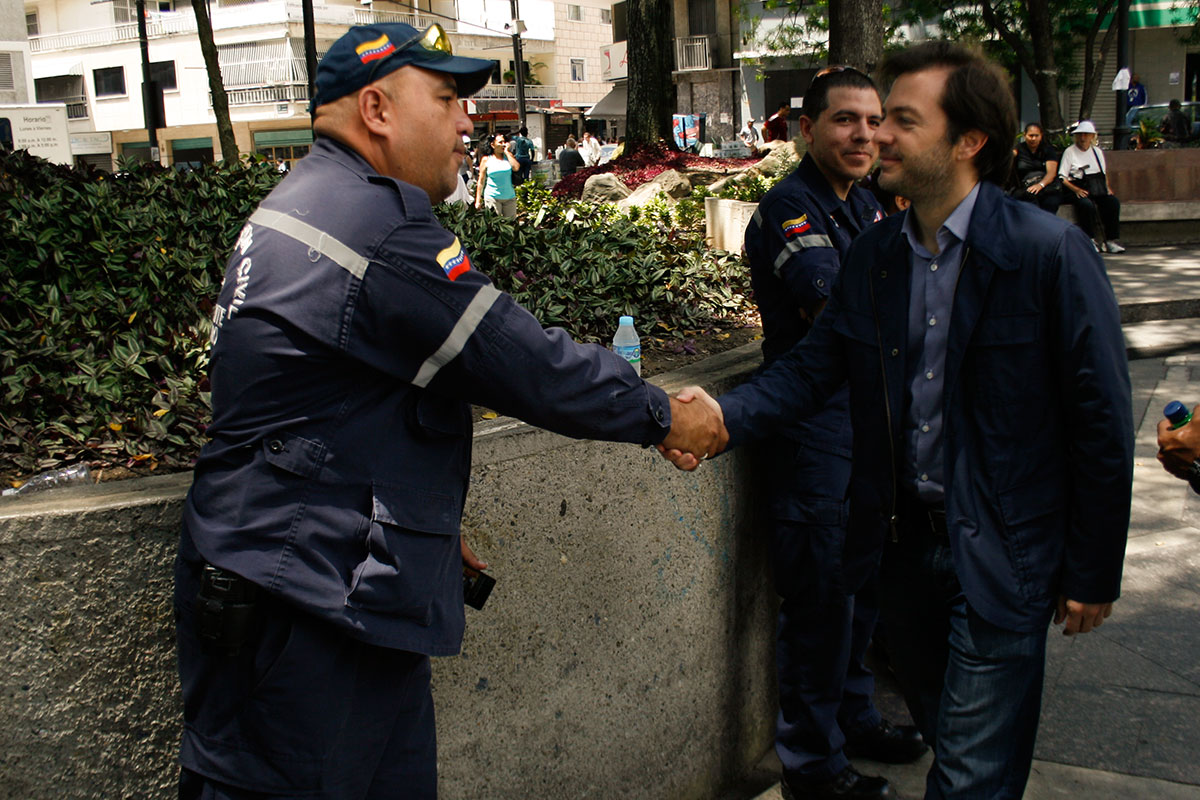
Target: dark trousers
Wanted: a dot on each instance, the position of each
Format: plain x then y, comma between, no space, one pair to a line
522,174
1048,199
1098,211
974,689
301,709
825,689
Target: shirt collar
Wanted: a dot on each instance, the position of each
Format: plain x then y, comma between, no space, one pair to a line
954,229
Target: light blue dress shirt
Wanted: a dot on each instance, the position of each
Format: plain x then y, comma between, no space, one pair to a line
931,299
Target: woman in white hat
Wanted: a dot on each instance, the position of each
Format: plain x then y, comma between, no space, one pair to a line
1085,177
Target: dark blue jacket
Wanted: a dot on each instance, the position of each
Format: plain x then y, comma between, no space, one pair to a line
795,244
1038,439
351,334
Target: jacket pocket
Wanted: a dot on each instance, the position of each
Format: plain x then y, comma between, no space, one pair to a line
293,453
1034,519
411,551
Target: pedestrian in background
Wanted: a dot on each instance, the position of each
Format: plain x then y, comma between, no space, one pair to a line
495,185
1035,170
569,159
524,151
1084,173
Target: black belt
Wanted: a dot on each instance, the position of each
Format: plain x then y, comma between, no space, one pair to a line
921,519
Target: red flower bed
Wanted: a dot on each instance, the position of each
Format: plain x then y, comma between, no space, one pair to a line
644,164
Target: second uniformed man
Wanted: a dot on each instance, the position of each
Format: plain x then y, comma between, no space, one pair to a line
795,244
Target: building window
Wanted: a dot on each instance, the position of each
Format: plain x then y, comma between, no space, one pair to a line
124,11
606,16
496,75
7,82
110,81
577,73
575,13
164,73
164,6
31,23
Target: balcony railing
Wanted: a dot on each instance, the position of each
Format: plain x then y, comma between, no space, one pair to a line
262,95
76,107
693,53
508,91
157,26
369,16
227,17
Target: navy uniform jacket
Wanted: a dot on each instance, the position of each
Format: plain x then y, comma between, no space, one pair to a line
351,334
1038,437
795,244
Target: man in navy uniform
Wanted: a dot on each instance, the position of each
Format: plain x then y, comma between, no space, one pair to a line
320,559
795,244
993,424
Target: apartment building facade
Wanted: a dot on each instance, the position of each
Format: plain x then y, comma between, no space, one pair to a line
85,53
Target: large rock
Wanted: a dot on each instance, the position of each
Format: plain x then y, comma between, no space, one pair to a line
782,157
670,185
604,188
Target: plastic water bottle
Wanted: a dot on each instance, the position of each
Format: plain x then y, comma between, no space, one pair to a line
1178,413
78,473
627,345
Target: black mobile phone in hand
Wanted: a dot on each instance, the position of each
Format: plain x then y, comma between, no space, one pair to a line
476,587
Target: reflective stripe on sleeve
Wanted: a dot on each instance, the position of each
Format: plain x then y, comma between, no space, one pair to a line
483,301
798,244
316,239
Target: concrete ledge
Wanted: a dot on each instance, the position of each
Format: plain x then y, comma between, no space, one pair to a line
626,649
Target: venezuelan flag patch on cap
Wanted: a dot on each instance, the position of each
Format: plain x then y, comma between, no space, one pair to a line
453,260
375,49
794,227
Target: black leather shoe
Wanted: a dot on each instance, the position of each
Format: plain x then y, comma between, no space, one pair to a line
887,743
846,785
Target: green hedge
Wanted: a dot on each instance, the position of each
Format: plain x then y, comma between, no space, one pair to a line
109,282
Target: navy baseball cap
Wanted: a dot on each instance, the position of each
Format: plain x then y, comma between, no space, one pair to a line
367,53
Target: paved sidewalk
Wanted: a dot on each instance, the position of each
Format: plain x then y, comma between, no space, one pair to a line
1121,707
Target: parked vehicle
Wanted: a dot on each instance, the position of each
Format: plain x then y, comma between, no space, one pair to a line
1156,112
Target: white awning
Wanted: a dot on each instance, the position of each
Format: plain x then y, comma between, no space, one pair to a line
54,67
612,104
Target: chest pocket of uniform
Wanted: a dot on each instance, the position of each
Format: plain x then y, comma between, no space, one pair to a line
411,556
442,418
293,453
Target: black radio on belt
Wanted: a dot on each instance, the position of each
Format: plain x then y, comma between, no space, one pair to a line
476,587
225,609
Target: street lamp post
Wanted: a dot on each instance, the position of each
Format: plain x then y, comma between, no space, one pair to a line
1121,131
518,62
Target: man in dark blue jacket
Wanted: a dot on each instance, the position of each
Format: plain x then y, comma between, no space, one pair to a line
993,425
795,243
320,562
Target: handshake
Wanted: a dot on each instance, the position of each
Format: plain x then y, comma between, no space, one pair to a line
697,429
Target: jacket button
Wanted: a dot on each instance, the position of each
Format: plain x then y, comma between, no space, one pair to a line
658,414
883,273
820,283
895,352
275,446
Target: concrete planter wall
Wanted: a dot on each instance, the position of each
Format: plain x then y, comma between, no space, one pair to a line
626,650
725,222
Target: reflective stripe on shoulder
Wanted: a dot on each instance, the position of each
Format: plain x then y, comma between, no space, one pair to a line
483,301
798,244
316,239
757,218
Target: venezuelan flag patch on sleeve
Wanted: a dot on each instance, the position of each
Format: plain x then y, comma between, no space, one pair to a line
795,227
453,260
375,49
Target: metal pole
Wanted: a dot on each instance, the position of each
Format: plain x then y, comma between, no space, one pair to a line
1121,131
310,48
148,114
518,64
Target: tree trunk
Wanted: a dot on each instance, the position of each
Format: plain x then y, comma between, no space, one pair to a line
651,88
856,33
220,101
1038,64
1093,68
